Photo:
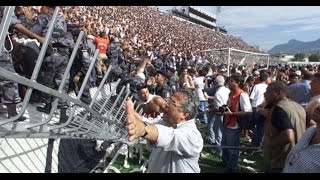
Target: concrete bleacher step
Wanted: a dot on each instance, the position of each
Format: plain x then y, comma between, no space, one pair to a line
22,151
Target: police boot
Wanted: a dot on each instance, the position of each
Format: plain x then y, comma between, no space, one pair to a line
63,116
35,98
12,111
46,109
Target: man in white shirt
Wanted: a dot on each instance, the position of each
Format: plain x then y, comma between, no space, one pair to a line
257,97
199,86
215,121
174,141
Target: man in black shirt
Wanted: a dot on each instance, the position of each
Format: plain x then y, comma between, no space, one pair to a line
285,124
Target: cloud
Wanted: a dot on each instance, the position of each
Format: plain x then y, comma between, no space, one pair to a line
303,28
262,17
269,25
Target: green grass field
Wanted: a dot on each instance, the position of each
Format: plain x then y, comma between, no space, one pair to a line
209,162
249,162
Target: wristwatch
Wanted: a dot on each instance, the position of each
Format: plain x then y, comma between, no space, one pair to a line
146,129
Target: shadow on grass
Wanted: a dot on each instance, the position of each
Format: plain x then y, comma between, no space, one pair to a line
249,162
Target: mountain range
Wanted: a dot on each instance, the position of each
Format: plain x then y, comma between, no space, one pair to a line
294,46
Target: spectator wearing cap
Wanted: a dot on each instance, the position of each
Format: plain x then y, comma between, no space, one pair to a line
215,121
293,78
222,70
300,92
256,74
90,37
298,72
91,49
162,89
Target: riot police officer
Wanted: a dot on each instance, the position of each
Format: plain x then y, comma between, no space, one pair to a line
56,58
115,56
10,94
80,68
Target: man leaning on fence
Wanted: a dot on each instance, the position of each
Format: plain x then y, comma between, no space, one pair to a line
174,141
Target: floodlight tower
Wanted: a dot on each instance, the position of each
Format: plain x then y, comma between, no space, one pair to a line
218,10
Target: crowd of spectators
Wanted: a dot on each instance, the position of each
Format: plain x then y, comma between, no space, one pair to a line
136,27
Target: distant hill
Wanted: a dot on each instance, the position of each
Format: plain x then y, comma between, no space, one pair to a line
295,46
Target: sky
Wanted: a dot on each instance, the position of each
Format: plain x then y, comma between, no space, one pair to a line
267,26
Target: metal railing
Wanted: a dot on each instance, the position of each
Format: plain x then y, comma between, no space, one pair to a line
102,119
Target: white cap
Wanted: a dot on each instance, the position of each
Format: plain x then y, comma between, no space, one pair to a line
90,37
256,73
298,73
223,69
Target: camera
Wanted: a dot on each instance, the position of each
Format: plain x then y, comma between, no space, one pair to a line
223,108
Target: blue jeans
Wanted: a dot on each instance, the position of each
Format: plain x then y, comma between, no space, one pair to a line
258,129
202,108
215,125
230,156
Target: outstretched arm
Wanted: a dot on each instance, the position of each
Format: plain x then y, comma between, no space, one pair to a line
136,127
142,66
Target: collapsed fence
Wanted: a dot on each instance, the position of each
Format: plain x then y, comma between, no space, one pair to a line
102,119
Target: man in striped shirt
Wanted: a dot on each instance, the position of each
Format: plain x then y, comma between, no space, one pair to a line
305,155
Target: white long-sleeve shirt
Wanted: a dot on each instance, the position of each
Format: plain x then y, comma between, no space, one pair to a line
177,149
